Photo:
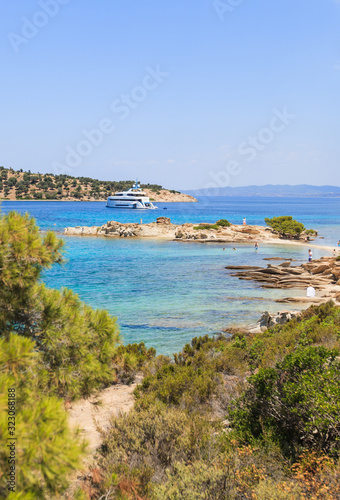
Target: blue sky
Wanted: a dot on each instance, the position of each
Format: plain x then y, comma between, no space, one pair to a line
188,94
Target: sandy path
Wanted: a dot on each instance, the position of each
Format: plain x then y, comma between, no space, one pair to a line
90,414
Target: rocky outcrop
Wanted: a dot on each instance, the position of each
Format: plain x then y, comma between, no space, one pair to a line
187,232
323,274
163,220
163,228
267,320
232,234
114,228
318,273
82,231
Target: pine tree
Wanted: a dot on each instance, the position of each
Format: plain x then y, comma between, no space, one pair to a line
46,450
77,343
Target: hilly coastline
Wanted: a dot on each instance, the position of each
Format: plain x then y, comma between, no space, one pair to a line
20,185
271,190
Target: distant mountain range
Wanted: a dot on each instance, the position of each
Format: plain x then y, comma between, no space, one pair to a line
271,190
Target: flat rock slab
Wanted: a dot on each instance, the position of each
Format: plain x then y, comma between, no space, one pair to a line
244,268
302,300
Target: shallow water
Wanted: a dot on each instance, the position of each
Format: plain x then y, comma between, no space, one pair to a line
164,292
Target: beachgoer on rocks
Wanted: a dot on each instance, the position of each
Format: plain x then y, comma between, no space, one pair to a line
310,255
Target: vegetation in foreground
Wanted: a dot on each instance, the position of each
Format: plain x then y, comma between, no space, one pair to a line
53,348
250,417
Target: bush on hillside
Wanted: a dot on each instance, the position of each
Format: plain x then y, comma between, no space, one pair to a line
298,401
131,358
268,448
144,444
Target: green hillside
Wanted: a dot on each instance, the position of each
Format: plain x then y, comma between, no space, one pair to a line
20,185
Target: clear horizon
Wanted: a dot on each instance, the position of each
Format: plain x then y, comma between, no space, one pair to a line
187,95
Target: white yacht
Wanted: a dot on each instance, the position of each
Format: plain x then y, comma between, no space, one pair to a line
133,198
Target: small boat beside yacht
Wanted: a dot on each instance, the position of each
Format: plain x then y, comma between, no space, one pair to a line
134,198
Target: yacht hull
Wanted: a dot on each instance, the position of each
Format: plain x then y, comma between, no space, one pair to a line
134,199
127,205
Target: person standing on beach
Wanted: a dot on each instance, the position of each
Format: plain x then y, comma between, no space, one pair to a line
310,255
256,246
244,221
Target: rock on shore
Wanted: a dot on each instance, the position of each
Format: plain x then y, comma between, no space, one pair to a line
323,274
163,228
266,321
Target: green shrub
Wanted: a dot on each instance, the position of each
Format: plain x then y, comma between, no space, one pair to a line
203,227
285,225
223,223
144,444
199,479
298,401
220,223
131,358
183,386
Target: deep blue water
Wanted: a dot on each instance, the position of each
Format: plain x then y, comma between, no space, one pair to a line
163,292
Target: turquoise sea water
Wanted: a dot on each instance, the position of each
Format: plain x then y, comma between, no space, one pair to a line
318,213
163,292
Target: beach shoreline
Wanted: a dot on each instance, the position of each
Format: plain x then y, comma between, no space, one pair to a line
163,229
